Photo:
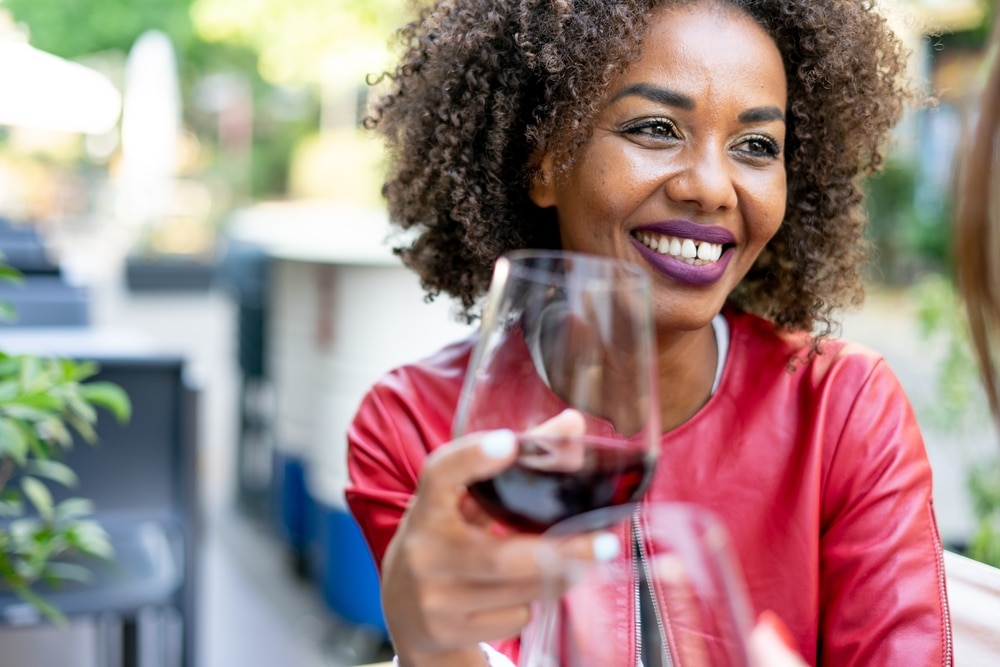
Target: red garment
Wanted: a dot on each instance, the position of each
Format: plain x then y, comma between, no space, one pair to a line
816,465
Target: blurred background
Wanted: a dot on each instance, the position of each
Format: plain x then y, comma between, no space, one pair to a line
188,192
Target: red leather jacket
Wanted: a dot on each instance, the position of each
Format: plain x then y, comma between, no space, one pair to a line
816,465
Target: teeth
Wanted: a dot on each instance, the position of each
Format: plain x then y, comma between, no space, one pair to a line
688,249
685,249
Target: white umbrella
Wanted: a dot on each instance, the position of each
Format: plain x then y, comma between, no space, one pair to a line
151,125
40,90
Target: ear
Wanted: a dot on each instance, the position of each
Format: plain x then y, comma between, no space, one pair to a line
543,190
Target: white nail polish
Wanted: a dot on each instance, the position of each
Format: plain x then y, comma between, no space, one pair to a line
606,546
498,444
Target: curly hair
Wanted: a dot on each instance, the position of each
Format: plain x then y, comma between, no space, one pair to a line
484,85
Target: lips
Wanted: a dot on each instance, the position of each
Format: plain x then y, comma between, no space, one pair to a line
685,251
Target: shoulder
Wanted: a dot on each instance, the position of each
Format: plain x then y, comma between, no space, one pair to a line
415,401
758,344
442,371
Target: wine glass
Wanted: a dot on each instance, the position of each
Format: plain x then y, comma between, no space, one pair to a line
564,330
676,598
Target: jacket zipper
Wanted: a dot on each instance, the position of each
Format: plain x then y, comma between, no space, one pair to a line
641,561
638,602
943,592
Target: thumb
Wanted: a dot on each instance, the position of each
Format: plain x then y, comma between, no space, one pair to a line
477,456
772,644
449,469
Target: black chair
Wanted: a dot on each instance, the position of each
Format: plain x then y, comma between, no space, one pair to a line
43,298
142,479
46,301
25,249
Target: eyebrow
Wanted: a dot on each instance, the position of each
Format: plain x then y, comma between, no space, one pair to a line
761,115
656,94
681,101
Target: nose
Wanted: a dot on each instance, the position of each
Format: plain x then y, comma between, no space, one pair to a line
704,180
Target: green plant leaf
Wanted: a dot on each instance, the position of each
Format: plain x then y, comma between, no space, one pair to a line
10,274
53,470
110,397
31,369
79,408
73,508
19,410
50,612
77,371
8,313
12,442
41,401
11,505
90,538
61,571
54,430
39,495
24,529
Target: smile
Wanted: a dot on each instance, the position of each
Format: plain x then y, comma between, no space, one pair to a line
695,253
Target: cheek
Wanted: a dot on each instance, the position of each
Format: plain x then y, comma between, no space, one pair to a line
768,205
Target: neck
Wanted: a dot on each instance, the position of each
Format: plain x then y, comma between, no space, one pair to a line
687,361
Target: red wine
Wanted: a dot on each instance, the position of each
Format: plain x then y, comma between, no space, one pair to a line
555,479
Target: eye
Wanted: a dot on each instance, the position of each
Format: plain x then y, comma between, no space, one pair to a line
652,128
759,146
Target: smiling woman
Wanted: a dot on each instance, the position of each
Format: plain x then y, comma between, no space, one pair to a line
690,157
715,144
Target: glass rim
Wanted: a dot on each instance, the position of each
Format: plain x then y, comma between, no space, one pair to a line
538,265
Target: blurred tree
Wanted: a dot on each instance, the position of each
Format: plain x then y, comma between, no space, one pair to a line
276,45
297,39
73,28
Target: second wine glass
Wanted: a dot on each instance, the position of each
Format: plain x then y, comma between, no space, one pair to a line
564,330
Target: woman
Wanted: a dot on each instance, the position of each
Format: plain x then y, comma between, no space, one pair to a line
638,130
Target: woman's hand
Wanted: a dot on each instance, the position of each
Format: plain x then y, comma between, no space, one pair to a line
450,577
772,645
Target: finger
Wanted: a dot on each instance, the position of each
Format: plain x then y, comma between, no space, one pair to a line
521,557
568,423
480,456
473,512
499,622
772,645
481,596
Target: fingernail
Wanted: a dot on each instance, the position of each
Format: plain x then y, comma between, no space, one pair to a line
498,444
773,621
606,546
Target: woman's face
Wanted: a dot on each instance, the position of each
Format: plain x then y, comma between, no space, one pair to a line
684,173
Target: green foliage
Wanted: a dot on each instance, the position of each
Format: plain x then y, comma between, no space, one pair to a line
984,484
960,402
911,239
74,28
43,403
296,42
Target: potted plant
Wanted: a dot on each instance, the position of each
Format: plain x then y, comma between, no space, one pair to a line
44,404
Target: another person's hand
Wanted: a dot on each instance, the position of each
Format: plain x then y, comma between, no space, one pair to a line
771,645
450,579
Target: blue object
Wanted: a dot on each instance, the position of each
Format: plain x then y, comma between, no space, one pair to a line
291,501
345,569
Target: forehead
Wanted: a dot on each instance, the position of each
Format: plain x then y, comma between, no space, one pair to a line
701,43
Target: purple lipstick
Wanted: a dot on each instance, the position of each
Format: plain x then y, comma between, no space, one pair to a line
678,269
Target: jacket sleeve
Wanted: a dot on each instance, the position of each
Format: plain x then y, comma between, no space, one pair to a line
391,435
383,467
882,589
